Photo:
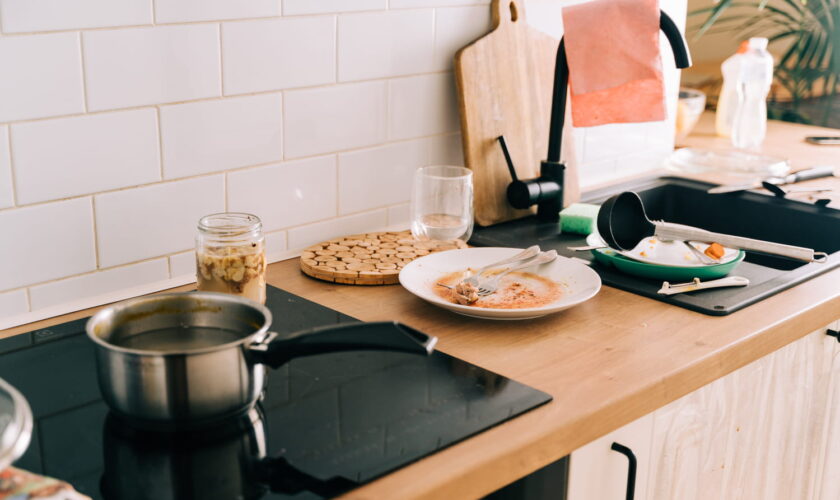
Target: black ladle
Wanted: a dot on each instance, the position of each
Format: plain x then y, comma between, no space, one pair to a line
623,223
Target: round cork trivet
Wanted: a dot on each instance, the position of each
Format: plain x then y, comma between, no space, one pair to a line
368,259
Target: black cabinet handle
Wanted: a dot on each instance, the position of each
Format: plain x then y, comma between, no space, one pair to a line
631,469
833,333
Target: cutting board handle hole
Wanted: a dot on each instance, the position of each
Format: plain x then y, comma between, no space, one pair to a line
514,12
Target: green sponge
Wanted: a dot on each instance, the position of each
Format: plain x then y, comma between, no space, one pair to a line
579,218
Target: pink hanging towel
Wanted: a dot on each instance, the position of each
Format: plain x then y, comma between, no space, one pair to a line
615,69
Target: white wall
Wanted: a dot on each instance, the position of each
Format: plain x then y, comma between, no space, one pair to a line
123,121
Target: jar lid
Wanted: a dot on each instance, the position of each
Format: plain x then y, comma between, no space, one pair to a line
15,424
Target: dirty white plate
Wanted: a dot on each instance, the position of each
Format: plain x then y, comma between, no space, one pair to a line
578,282
675,253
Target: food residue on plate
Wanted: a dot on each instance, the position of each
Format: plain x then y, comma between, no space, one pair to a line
517,290
715,251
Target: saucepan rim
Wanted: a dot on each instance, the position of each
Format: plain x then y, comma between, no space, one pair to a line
257,336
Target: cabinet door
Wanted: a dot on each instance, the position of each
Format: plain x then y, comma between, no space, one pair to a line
827,485
597,472
755,433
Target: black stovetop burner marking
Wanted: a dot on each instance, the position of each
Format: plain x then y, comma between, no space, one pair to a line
352,415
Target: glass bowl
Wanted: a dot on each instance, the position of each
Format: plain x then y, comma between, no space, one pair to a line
15,424
690,107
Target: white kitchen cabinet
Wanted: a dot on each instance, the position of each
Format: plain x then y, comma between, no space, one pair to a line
770,430
596,471
827,485
760,432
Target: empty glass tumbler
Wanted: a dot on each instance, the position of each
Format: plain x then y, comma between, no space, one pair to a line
442,203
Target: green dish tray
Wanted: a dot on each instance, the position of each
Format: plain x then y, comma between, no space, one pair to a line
608,257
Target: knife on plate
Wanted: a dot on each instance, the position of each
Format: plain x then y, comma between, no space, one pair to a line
802,175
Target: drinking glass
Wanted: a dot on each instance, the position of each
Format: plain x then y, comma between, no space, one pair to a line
442,203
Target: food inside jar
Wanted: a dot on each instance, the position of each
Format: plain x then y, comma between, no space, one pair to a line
234,270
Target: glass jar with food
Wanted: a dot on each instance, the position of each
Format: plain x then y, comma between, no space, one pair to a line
230,255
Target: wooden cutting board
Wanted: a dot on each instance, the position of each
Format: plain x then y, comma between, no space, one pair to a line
505,82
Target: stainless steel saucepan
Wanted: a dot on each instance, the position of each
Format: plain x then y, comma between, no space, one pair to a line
183,359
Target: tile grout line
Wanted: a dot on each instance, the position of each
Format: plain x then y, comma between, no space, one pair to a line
335,47
160,142
221,61
11,169
238,169
225,181
95,232
320,86
84,73
155,23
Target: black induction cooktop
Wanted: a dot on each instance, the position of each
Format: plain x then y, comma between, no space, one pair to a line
325,425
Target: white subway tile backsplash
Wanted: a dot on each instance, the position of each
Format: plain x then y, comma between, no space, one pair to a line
278,53
46,242
209,136
48,15
72,156
331,119
377,177
275,246
547,15
302,237
295,7
177,11
285,195
613,140
138,66
137,224
422,105
399,216
6,192
98,283
446,150
455,28
182,264
384,44
591,174
399,4
41,76
12,303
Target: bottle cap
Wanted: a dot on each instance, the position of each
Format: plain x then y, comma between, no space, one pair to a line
758,43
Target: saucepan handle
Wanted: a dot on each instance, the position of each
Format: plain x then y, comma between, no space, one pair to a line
379,336
283,477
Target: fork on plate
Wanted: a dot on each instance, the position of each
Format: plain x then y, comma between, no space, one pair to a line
528,253
489,286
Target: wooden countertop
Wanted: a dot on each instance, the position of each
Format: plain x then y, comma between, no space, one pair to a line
606,362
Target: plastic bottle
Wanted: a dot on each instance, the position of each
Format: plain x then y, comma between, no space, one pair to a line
755,77
728,102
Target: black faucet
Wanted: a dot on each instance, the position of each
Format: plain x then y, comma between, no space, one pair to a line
547,190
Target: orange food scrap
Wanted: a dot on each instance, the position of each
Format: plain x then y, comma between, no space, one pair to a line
642,253
715,251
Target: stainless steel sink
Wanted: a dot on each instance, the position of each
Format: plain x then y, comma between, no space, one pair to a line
686,202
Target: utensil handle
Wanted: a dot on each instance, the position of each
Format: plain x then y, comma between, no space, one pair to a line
377,336
810,173
528,253
542,258
676,232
